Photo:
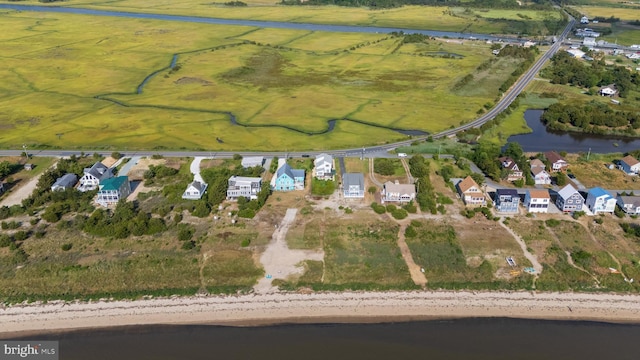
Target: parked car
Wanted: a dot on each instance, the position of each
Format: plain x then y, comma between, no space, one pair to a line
402,155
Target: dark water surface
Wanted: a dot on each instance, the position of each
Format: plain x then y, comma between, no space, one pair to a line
542,139
497,338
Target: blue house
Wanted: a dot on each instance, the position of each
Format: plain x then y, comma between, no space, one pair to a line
507,200
288,179
569,199
598,200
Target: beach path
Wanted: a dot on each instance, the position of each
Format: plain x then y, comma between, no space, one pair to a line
279,261
414,269
532,258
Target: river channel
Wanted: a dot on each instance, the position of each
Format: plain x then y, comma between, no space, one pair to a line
541,139
262,24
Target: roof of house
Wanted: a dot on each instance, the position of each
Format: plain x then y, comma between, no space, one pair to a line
467,183
198,186
113,183
539,193
292,173
598,192
66,180
350,179
245,179
537,170
98,170
629,160
630,200
537,163
323,158
508,162
510,192
567,191
392,187
554,157
251,161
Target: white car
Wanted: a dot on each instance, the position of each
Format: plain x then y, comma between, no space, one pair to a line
403,155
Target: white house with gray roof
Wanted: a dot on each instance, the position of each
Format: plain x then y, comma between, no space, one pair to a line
396,192
323,167
252,161
353,185
629,204
67,181
247,187
93,175
195,190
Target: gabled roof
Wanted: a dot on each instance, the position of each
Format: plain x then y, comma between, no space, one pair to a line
630,200
510,192
112,184
98,170
554,157
198,186
287,170
537,170
629,160
323,158
537,163
467,183
251,161
349,179
244,179
508,163
539,193
598,192
67,181
567,191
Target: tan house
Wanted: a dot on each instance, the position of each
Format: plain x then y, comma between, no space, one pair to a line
513,171
470,192
396,192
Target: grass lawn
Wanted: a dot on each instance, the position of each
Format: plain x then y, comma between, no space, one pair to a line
22,176
626,13
595,172
355,165
297,86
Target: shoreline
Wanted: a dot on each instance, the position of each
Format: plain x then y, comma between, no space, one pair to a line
287,308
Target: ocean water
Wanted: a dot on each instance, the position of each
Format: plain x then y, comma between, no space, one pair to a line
482,338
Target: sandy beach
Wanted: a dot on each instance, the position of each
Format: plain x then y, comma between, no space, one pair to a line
255,309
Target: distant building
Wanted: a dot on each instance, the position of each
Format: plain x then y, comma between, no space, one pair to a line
537,200
113,190
584,20
507,200
558,163
589,41
1,186
608,90
353,185
600,201
247,187
579,54
513,171
29,167
67,181
569,199
630,165
195,190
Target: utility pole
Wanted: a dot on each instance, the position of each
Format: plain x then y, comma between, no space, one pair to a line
588,154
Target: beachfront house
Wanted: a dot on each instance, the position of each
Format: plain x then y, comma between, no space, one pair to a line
323,167
511,169
67,181
600,201
558,163
569,199
112,190
629,204
507,200
353,185
396,192
252,161
194,190
247,187
630,165
537,200
470,192
93,176
287,179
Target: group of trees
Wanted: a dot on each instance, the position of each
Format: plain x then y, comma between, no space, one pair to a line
566,69
127,219
426,196
486,157
528,54
593,117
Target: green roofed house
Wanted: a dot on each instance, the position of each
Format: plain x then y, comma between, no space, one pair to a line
112,190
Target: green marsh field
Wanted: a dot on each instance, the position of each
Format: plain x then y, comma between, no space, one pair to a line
70,84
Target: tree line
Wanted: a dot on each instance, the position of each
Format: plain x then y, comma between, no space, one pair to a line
593,117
